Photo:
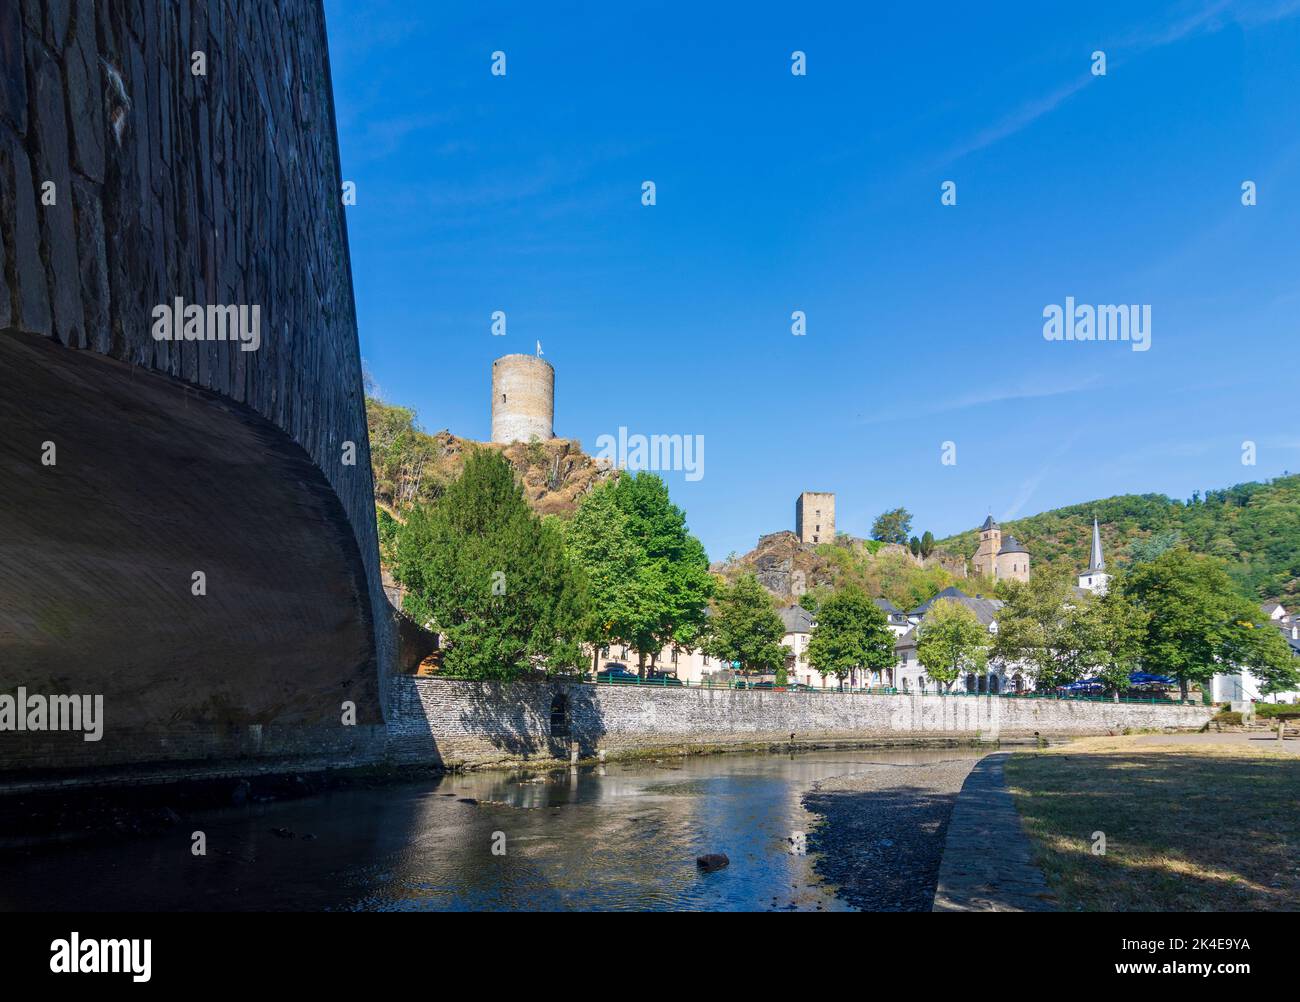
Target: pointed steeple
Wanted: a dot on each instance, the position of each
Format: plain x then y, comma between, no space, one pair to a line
1096,562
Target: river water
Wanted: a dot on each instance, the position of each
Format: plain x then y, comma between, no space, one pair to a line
618,837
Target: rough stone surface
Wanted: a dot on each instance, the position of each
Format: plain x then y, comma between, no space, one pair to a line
471,723
882,833
523,399
988,863
221,189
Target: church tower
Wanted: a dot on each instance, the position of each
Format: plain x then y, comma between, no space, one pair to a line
1000,557
1095,579
986,557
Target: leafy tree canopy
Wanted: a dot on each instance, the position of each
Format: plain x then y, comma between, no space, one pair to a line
493,579
951,641
1198,625
745,627
892,526
677,565
851,632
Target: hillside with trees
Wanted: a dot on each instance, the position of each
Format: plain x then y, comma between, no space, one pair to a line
809,574
1253,527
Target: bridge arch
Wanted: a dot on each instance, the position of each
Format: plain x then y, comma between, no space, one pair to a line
177,456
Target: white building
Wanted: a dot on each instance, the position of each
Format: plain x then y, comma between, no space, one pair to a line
799,624
911,676
1243,685
688,665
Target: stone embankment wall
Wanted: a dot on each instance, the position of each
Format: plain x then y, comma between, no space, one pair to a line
474,724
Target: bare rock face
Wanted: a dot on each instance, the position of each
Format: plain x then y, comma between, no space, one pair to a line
780,563
773,561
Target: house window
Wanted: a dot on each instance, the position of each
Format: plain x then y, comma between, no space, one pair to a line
674,655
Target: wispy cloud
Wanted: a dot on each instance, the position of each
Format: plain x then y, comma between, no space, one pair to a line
1023,392
1203,20
1023,116
1029,487
377,138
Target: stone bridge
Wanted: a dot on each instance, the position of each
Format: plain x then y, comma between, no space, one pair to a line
186,525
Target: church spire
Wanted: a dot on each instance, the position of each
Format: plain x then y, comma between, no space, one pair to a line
1096,562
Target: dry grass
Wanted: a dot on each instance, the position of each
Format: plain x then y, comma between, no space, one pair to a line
1188,828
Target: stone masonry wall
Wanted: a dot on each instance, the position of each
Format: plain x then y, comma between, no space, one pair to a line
221,188
470,723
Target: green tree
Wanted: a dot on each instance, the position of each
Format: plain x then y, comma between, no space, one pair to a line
1198,626
892,526
914,546
1035,629
927,543
745,627
626,593
1142,550
951,641
851,632
1106,633
677,566
492,578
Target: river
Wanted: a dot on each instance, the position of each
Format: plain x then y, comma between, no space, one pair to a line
619,837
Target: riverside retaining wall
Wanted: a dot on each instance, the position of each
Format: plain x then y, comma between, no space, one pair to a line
457,723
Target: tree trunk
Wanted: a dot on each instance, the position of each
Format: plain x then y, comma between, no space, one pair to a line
640,664
1182,690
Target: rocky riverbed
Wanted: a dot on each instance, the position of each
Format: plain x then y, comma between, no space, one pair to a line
882,828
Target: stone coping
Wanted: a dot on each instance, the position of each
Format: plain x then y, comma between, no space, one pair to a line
988,863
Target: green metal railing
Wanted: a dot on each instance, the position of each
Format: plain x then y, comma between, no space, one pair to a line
744,685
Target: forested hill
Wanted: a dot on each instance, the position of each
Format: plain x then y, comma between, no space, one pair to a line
1255,527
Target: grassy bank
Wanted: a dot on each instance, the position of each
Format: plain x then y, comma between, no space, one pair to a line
1188,827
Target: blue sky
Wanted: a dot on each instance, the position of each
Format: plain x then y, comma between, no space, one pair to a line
821,193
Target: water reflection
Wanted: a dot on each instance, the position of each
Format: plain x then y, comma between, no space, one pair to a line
613,837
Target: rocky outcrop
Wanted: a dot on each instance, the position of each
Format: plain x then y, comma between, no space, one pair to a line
783,565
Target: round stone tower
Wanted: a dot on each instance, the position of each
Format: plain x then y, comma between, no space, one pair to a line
523,399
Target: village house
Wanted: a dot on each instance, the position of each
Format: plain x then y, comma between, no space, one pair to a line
1242,685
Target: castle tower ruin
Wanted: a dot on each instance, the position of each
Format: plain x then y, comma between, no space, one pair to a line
523,399
814,517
